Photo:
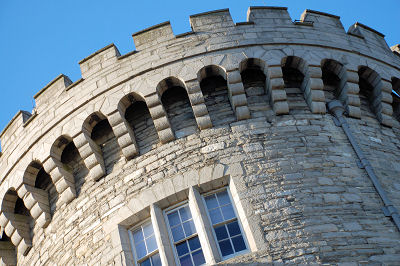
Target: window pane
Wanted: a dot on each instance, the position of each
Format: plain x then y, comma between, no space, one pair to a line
185,213
189,228
226,247
148,230
140,249
155,259
221,232
216,216
234,228
238,243
198,257
228,212
138,235
182,248
223,198
173,218
151,244
146,262
211,202
177,233
186,261
194,243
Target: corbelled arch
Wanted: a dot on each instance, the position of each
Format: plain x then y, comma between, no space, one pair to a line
38,190
16,221
137,125
176,104
105,150
298,75
61,175
371,85
219,101
254,73
334,76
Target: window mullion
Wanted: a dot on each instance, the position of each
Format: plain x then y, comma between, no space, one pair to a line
161,235
203,227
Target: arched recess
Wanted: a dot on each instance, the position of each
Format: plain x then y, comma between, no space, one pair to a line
253,74
17,221
333,76
139,122
370,92
214,87
39,193
396,98
8,254
175,100
102,140
294,71
66,167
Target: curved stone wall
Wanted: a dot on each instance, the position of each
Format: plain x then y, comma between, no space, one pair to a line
240,103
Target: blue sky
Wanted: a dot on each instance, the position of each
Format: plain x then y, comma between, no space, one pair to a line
41,39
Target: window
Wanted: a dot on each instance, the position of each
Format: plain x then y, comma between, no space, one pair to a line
184,236
204,228
144,245
227,230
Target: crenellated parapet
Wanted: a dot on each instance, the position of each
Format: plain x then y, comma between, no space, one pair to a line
122,107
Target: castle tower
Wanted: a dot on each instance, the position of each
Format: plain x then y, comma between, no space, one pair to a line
263,141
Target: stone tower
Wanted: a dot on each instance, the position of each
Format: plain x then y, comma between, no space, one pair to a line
212,146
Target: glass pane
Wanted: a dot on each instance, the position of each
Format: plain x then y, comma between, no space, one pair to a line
211,202
221,232
216,216
182,248
147,230
185,213
228,212
140,249
189,228
155,259
198,257
138,235
186,261
223,197
151,244
226,247
173,218
145,263
234,228
238,243
177,233
194,243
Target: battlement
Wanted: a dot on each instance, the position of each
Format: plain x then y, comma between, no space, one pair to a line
161,36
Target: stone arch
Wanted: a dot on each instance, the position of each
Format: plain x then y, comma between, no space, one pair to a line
370,91
213,84
39,193
17,222
8,254
100,135
61,167
334,79
294,71
175,100
138,122
253,72
396,98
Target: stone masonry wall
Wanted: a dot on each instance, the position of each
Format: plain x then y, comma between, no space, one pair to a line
213,103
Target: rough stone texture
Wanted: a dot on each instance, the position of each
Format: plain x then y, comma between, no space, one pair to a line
295,173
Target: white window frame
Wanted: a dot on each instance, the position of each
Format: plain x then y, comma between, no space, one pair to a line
243,233
132,242
169,210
